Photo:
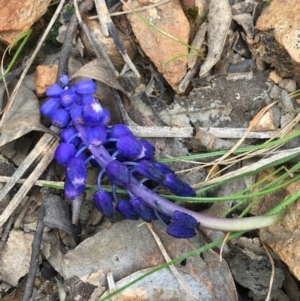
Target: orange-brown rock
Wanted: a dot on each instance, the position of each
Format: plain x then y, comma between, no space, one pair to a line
170,18
17,16
45,77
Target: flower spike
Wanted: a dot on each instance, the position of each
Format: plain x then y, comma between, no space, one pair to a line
127,161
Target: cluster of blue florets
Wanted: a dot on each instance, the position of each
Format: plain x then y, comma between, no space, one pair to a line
126,160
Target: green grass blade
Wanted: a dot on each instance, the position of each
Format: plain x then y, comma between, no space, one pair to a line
23,36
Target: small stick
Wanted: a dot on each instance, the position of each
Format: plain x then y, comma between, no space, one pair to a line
168,259
34,262
107,26
272,271
131,12
99,51
47,158
6,232
84,7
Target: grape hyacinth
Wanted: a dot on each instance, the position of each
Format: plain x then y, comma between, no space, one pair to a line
127,162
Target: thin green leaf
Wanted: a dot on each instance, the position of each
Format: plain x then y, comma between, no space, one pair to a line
176,57
23,36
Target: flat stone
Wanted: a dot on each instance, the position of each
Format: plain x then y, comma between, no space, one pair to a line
17,16
128,247
169,18
15,256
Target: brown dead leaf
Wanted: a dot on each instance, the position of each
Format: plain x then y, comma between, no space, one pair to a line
98,69
219,18
23,117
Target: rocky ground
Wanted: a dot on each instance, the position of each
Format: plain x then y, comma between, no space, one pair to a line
190,76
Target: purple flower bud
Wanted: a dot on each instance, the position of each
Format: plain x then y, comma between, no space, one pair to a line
178,187
60,118
54,90
119,130
92,113
72,192
96,135
86,86
103,203
149,149
64,152
130,147
105,117
67,98
164,168
126,210
49,106
68,133
76,115
64,79
185,220
140,207
87,99
147,169
174,184
118,173
179,231
76,171
188,191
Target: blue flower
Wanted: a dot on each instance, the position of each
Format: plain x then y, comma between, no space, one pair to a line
64,152
105,117
96,135
60,118
85,136
71,191
87,99
164,168
126,210
64,79
185,220
67,98
130,147
147,169
118,130
76,115
141,208
118,173
70,135
174,184
86,86
103,203
149,149
50,106
188,191
179,231
54,90
92,113
76,171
